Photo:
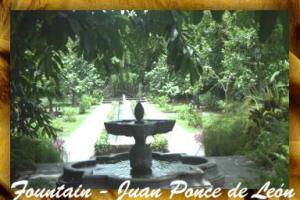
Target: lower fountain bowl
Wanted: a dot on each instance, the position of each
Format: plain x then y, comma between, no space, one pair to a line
111,171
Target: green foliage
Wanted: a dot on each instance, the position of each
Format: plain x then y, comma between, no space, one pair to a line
124,82
269,143
163,102
40,183
94,101
42,150
269,126
225,136
192,115
79,77
183,113
194,118
209,101
160,143
161,81
279,173
85,104
70,114
92,45
102,145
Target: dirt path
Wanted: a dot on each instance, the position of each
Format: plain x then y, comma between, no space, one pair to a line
180,141
80,145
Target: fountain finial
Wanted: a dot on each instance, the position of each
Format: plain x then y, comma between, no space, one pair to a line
139,112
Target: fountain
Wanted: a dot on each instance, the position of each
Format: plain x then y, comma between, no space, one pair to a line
141,166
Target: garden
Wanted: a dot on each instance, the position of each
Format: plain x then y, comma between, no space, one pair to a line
222,75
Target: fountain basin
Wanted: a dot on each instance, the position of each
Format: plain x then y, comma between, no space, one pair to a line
134,128
111,170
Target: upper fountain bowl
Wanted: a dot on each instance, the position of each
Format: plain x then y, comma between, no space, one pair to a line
139,127
135,128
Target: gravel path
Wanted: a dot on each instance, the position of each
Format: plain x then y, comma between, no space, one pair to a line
80,145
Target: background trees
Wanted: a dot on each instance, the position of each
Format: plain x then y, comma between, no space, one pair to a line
128,42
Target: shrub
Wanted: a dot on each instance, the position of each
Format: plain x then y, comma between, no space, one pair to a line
225,136
222,106
58,124
268,144
160,143
183,114
42,150
41,183
162,100
164,103
70,114
209,100
193,116
102,146
85,104
278,174
94,100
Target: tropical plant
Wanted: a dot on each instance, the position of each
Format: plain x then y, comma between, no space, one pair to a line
85,104
70,114
160,143
102,145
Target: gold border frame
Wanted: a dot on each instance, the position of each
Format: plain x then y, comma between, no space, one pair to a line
293,6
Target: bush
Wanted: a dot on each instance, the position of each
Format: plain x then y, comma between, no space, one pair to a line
279,173
225,136
85,104
160,143
183,114
233,107
193,116
268,144
58,124
164,103
42,150
70,114
102,146
269,133
93,100
209,100
162,100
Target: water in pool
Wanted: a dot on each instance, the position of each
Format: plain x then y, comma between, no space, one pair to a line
159,168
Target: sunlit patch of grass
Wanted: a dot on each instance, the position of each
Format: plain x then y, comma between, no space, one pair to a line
209,117
68,127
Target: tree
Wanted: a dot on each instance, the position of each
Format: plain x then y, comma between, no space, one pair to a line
36,43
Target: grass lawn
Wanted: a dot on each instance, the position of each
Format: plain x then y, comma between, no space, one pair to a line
68,127
176,108
207,117
185,125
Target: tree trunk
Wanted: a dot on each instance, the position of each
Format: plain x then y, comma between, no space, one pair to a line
73,98
50,105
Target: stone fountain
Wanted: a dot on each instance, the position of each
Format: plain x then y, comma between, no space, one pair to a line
141,166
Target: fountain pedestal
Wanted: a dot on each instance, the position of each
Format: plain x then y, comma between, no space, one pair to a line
140,156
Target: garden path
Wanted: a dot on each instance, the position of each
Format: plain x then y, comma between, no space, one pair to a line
123,113
180,140
80,145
